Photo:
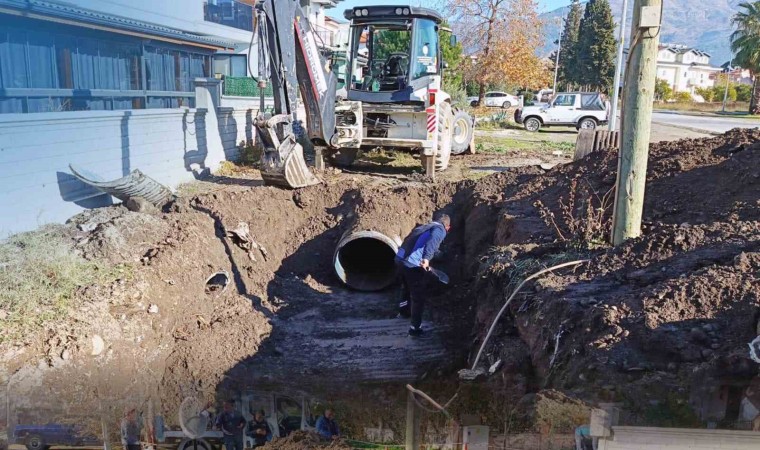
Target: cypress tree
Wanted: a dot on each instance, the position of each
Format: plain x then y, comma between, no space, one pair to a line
568,63
595,50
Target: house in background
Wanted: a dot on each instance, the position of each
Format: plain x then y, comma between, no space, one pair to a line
684,68
737,74
110,86
331,31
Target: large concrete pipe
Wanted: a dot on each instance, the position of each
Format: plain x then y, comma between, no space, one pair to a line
365,259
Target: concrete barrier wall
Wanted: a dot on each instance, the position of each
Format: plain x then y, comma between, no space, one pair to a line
36,185
640,438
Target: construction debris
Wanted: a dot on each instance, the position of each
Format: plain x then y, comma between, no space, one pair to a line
241,236
136,184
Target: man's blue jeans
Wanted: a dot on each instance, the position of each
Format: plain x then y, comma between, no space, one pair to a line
233,442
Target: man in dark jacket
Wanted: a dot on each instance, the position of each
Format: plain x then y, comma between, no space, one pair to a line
414,256
232,424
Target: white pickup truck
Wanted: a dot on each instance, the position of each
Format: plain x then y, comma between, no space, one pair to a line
583,110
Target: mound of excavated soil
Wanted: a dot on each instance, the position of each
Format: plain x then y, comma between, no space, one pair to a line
306,440
669,313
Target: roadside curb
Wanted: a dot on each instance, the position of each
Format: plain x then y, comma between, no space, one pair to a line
696,130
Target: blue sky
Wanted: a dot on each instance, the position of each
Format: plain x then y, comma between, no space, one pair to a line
543,5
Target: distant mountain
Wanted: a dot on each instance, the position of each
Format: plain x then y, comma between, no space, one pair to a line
705,25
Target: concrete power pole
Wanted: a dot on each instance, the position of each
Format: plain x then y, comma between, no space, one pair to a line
729,69
637,120
556,63
618,67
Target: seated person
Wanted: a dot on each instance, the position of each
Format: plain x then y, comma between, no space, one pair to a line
259,429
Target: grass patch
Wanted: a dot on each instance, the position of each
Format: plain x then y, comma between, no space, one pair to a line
383,160
502,145
40,274
475,175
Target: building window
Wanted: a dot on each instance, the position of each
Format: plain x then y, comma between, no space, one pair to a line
73,69
229,12
230,65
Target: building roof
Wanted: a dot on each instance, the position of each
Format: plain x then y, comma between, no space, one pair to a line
327,4
66,13
681,49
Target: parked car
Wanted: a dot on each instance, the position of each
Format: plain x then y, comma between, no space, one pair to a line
544,95
497,99
285,412
42,437
583,110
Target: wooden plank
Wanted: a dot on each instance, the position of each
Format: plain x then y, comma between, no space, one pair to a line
585,144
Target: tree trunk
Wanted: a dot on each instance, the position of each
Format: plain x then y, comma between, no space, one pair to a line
754,101
486,52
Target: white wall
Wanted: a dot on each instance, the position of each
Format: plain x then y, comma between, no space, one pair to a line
640,438
36,149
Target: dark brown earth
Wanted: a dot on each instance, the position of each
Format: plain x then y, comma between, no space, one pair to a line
304,440
669,313
665,315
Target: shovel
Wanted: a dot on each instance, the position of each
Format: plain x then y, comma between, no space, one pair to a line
442,277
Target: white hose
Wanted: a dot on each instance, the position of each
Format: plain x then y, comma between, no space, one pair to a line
503,308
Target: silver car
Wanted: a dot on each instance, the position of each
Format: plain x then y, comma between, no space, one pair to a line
497,99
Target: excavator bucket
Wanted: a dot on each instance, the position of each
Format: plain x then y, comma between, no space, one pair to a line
286,166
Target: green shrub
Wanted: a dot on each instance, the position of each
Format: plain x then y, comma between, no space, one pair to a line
683,97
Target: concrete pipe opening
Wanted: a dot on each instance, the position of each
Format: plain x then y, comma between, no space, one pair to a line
365,260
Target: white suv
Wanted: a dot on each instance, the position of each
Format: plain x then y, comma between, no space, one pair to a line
497,99
583,110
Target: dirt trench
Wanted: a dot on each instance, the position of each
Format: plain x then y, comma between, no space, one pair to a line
667,315
284,320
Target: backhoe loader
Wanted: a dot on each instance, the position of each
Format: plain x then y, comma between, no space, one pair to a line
393,96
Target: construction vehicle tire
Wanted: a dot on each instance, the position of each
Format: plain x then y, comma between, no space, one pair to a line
445,131
343,157
462,132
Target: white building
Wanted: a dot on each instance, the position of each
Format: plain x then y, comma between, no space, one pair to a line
116,85
684,68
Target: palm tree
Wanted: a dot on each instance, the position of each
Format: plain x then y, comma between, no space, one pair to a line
745,43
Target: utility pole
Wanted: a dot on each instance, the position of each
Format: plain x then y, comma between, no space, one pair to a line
556,63
618,67
728,78
637,120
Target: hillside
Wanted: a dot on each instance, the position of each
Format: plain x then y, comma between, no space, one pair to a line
706,27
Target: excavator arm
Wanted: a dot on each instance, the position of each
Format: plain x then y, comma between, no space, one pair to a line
290,59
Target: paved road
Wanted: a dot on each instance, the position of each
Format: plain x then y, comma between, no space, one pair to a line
710,124
660,132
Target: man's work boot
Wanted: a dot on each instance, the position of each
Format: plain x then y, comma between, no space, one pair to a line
416,331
